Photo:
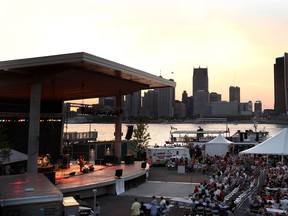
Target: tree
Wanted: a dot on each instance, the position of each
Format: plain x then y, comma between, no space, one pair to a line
5,146
140,137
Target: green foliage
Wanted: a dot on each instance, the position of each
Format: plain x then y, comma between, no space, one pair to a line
5,146
140,136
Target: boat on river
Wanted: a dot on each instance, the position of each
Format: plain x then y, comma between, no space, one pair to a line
199,136
202,136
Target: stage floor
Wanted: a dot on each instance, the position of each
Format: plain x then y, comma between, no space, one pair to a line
101,176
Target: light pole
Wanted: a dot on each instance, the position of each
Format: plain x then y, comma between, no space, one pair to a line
94,191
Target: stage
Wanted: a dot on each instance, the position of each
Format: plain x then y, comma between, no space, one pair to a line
102,178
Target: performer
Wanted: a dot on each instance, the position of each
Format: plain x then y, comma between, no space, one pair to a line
81,162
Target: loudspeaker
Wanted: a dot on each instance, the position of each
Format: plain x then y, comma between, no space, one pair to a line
118,173
129,132
143,165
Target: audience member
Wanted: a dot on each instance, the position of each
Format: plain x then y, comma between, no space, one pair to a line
135,208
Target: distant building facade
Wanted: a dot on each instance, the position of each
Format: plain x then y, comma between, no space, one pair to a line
166,100
215,97
150,103
200,80
246,108
224,108
180,110
234,94
201,103
200,92
133,104
107,101
185,101
257,108
281,85
190,107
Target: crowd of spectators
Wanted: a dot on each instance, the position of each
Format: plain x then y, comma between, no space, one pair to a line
272,197
230,173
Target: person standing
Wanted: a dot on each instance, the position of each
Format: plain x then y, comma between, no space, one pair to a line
135,208
149,160
154,200
97,209
81,162
162,204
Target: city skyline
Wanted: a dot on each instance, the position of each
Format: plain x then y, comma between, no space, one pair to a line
237,41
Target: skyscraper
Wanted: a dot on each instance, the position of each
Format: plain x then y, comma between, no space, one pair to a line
234,94
200,80
185,101
281,84
133,104
184,97
150,103
200,92
166,99
257,108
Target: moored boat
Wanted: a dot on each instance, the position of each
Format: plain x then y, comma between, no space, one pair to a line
201,136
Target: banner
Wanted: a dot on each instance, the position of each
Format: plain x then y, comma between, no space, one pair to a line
120,186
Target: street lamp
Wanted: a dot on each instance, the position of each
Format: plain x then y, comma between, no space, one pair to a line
94,191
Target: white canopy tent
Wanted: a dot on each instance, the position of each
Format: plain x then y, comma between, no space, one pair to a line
276,145
15,156
218,146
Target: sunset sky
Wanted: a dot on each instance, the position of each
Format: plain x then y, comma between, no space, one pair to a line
237,40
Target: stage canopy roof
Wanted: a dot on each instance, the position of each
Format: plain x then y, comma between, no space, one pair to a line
73,76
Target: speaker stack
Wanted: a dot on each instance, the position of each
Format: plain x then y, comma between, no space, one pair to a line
118,173
129,132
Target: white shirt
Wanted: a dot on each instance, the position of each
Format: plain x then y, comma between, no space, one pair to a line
163,202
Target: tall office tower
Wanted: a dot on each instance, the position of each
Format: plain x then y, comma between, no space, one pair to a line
200,80
185,101
133,104
190,107
214,97
148,103
166,100
201,103
184,97
234,94
281,84
200,92
257,108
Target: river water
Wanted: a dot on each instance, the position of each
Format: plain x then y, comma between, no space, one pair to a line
159,133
